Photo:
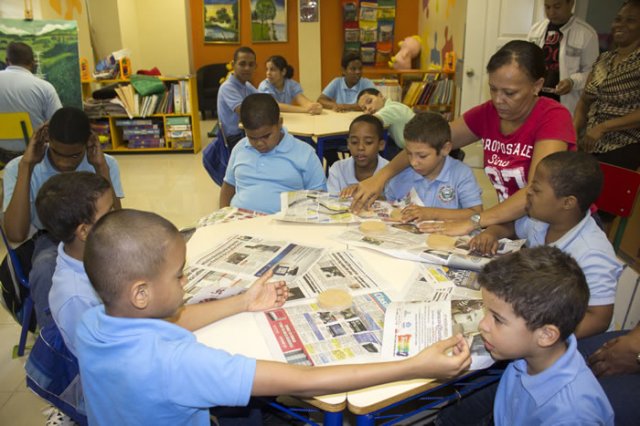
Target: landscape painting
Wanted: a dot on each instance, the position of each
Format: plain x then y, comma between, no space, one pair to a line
55,47
221,21
268,21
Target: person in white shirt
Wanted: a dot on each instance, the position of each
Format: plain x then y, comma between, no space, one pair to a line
571,48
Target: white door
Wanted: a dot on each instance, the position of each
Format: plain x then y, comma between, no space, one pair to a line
490,24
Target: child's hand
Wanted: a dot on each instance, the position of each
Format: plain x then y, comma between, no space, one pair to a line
263,295
416,213
452,228
314,108
36,148
341,108
348,191
484,243
444,359
95,156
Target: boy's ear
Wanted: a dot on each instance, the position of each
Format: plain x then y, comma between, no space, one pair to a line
82,232
547,335
139,295
569,202
446,148
280,121
381,144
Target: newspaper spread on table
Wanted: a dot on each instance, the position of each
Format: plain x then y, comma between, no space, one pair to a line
397,242
306,334
227,214
413,325
232,266
308,206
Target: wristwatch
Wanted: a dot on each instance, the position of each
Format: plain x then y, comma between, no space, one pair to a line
476,221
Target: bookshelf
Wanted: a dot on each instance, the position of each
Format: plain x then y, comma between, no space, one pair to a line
163,124
423,90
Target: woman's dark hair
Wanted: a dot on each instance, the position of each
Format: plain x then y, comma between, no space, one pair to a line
527,55
281,63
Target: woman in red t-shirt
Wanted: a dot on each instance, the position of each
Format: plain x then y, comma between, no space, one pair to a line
517,129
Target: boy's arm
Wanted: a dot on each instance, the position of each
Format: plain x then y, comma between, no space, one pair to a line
596,320
273,378
17,216
371,188
226,194
327,102
96,158
313,174
486,242
259,297
418,213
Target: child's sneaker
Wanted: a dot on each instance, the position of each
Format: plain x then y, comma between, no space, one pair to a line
58,418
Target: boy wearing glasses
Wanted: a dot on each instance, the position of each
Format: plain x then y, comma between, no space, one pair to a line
64,144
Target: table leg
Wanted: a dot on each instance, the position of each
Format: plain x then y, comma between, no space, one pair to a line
365,420
332,419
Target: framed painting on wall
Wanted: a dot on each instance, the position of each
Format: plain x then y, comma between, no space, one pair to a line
268,21
55,47
221,21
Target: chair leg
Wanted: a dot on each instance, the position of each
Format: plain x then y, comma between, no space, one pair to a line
617,240
27,311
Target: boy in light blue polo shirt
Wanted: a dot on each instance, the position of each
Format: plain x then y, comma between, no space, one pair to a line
564,186
341,94
268,161
365,141
447,187
232,92
533,300
69,205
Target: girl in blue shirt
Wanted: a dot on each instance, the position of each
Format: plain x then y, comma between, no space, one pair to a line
287,92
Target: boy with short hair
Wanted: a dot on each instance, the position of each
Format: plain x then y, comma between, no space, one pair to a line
69,204
365,141
534,299
446,186
268,160
565,184
65,144
170,378
341,94
393,114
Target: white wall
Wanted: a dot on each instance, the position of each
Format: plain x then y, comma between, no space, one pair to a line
309,58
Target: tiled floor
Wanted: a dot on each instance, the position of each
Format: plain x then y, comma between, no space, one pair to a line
173,185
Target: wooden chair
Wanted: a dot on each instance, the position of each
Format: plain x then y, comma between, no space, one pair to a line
618,196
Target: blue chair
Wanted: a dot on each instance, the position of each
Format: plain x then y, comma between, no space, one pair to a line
20,284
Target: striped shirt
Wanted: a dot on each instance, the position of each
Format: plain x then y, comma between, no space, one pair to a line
615,89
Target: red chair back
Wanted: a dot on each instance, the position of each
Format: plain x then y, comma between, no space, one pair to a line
619,190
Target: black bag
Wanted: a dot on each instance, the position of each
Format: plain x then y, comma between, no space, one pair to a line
14,294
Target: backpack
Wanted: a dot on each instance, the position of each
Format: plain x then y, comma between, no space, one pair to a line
215,158
13,293
53,374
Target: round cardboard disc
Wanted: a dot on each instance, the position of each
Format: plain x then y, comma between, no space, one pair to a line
373,227
441,242
396,214
335,299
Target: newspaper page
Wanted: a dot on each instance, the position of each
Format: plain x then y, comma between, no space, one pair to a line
308,335
252,256
338,269
397,242
227,214
434,282
413,326
233,266
308,206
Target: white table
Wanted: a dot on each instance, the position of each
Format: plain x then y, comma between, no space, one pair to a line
224,334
